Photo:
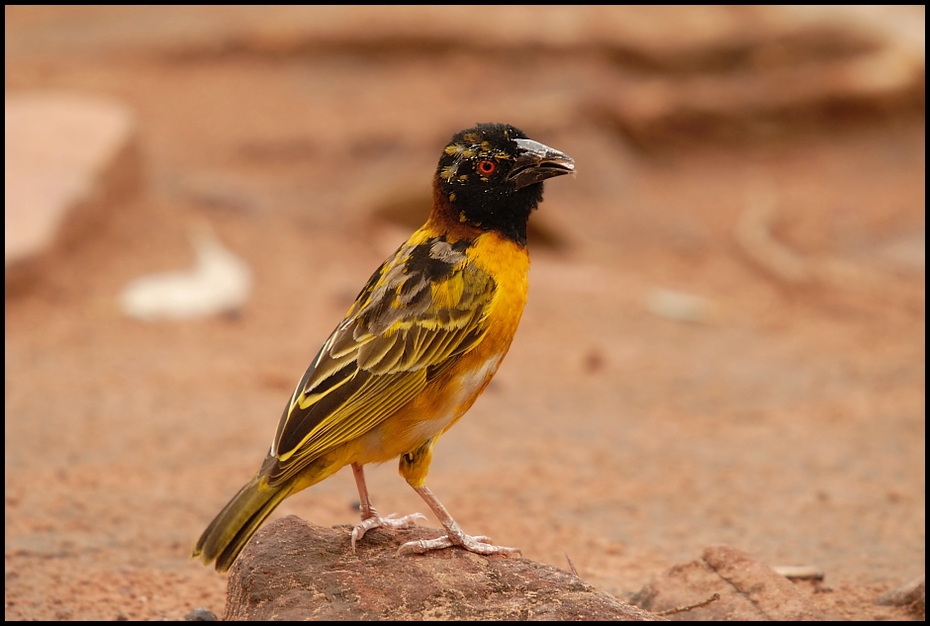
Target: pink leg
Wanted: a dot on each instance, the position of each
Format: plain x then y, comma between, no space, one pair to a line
370,517
454,535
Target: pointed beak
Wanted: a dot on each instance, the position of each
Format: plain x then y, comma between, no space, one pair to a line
536,162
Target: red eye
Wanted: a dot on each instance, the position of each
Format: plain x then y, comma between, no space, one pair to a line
486,167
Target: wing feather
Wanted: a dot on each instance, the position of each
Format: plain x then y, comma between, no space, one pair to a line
422,309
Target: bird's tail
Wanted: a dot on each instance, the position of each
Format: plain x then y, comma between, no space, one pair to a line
228,533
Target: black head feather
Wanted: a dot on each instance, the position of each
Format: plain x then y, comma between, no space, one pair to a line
490,176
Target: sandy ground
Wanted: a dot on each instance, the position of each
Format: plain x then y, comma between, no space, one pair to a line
785,420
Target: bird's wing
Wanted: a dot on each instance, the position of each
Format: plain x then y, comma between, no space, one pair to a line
422,309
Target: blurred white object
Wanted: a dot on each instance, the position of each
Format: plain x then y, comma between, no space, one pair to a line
679,306
219,282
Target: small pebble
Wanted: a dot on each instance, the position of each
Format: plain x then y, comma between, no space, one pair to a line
200,614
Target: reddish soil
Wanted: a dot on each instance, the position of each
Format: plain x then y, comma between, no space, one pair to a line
787,421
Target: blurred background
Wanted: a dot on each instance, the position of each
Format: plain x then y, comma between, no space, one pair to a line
724,341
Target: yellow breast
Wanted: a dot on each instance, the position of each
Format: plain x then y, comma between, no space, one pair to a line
449,396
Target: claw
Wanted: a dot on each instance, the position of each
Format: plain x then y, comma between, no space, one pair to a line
391,521
478,545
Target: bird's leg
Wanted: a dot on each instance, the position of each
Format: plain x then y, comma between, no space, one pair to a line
454,535
370,517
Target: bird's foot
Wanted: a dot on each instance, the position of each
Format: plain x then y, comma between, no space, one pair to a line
376,521
455,537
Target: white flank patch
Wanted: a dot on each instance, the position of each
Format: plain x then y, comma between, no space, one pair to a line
468,385
471,382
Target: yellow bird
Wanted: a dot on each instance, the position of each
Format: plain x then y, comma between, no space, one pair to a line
416,349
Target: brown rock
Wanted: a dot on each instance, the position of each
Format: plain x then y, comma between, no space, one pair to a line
748,590
783,70
67,156
295,570
912,594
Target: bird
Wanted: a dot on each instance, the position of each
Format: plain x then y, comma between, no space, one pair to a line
418,346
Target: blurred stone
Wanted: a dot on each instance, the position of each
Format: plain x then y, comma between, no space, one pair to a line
786,69
664,37
800,572
913,594
748,590
68,157
200,614
679,306
675,73
905,253
295,570
676,39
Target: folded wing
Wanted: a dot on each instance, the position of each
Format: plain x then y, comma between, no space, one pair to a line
423,309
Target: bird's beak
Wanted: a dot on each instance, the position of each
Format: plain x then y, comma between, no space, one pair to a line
536,162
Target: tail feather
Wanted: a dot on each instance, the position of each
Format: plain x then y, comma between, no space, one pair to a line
228,533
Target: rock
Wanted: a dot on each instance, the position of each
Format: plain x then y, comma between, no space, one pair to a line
67,156
783,70
748,589
912,594
200,614
295,570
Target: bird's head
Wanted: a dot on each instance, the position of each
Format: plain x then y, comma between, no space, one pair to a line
490,177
